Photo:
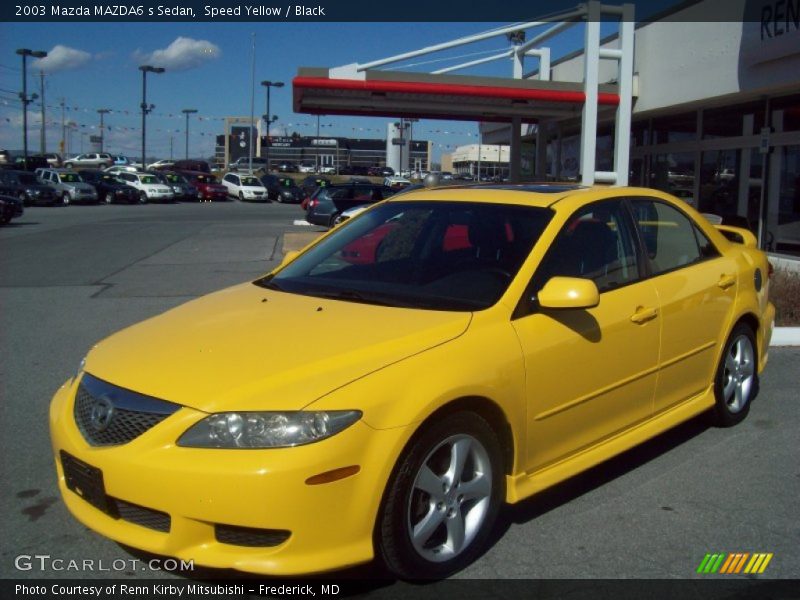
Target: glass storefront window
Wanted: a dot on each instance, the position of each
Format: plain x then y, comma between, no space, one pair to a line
729,121
719,176
677,128
674,173
790,105
788,234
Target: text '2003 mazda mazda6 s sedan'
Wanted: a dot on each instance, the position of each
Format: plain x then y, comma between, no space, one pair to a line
386,390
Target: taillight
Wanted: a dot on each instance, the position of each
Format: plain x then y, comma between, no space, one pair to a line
313,203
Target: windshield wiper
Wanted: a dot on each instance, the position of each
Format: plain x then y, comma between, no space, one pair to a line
269,283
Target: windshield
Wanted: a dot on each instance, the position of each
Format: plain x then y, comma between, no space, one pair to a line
251,181
69,178
175,178
148,179
205,179
458,256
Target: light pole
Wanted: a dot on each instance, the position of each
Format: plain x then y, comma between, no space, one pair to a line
268,117
25,53
145,69
102,112
187,112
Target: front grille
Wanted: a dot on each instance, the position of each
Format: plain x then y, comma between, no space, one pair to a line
250,536
108,415
140,515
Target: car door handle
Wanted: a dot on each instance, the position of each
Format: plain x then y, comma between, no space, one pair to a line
726,281
643,315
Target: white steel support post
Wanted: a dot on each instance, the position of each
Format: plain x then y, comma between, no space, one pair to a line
515,148
622,134
591,66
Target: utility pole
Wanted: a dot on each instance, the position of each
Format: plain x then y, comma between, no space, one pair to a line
145,69
42,141
63,129
187,112
252,106
25,53
171,139
102,112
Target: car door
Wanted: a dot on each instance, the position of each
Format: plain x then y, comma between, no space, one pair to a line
590,373
697,289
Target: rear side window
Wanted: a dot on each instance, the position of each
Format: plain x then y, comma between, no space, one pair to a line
670,239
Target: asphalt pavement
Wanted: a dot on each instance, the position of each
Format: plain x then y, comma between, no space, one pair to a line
70,276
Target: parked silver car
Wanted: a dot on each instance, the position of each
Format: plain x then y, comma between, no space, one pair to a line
94,160
68,185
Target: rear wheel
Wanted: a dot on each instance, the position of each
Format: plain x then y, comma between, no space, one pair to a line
68,165
334,220
23,197
241,196
736,382
442,499
65,198
142,197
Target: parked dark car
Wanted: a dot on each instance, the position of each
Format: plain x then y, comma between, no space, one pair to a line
287,166
207,186
182,189
380,171
312,182
10,208
27,188
330,201
282,189
109,188
35,161
191,165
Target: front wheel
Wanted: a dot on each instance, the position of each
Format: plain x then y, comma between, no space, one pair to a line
23,197
241,197
736,381
65,198
68,165
142,197
443,498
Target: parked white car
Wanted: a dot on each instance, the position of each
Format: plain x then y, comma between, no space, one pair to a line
121,169
150,188
307,167
396,182
245,187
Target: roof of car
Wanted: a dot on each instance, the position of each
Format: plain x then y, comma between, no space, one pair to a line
531,194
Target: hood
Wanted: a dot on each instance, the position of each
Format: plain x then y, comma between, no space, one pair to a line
248,348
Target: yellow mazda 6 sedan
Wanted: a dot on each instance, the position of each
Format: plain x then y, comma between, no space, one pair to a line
385,391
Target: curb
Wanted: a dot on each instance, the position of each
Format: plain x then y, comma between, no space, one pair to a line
785,336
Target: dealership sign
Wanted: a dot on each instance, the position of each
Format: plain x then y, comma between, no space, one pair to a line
770,30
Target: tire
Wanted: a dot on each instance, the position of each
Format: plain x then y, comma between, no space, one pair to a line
333,221
428,526
736,380
107,198
142,197
65,199
68,165
241,196
23,197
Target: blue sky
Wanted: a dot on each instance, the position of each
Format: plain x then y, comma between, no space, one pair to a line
212,74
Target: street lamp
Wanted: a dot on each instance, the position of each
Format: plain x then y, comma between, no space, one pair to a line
102,112
25,53
187,112
269,118
145,69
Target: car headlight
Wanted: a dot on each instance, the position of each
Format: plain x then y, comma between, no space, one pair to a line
266,429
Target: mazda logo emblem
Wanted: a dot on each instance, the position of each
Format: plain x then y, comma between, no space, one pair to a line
102,414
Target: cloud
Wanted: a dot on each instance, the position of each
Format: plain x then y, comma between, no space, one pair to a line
182,54
62,58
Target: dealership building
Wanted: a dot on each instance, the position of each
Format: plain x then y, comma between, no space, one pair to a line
339,153
716,116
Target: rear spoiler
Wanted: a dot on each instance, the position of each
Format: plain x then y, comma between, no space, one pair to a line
738,235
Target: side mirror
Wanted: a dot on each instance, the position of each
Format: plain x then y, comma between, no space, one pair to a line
569,292
290,256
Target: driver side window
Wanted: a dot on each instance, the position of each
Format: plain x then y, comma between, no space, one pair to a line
595,243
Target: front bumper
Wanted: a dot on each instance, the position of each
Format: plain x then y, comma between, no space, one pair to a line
331,524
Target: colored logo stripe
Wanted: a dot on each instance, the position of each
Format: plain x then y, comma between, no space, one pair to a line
734,562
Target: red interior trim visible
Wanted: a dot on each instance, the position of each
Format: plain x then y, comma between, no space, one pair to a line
447,89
